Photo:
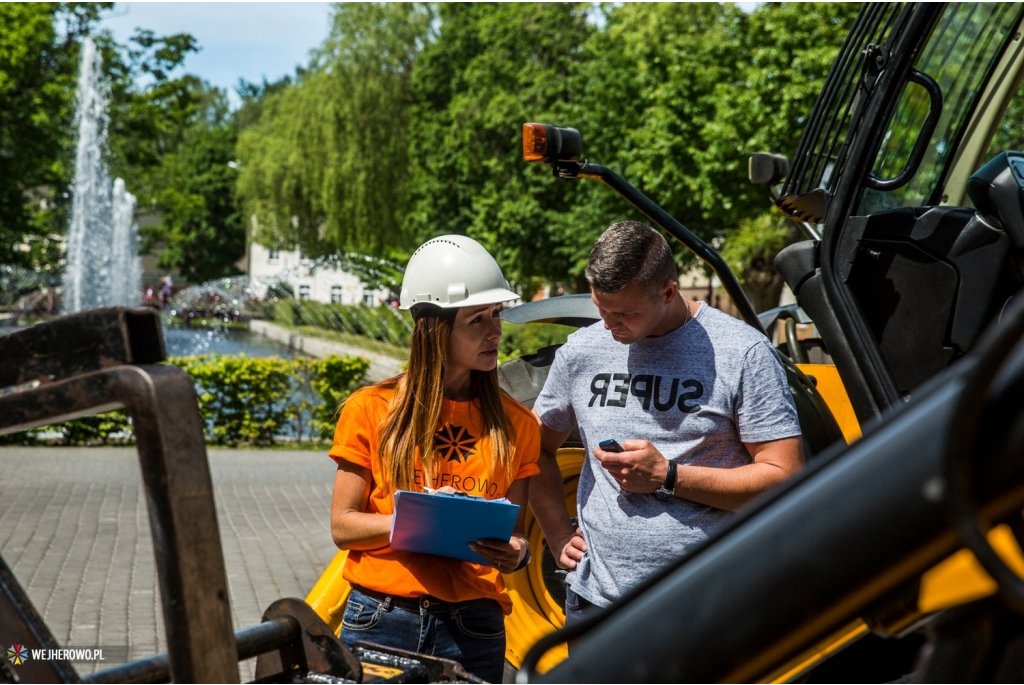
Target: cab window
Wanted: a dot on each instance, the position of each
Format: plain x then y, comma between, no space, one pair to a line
960,55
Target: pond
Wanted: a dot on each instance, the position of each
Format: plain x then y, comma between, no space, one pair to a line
186,342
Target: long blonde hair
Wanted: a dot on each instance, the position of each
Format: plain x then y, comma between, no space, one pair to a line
415,408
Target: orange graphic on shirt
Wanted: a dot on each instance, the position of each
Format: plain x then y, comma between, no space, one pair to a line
454,443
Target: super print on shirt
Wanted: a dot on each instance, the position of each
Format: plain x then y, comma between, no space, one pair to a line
697,394
612,390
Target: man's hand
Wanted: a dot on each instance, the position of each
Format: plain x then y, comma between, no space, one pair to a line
572,549
640,467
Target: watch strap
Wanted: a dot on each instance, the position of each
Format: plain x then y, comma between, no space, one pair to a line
669,486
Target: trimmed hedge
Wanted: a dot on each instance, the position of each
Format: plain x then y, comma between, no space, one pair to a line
242,399
395,326
386,324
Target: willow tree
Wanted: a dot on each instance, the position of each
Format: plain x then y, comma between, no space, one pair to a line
325,165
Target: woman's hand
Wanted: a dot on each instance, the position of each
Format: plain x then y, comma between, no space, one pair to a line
504,556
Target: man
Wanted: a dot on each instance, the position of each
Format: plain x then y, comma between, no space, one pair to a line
698,401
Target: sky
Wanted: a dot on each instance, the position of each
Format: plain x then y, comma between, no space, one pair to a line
249,40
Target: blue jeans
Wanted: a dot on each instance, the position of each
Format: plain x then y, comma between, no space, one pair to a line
471,632
576,608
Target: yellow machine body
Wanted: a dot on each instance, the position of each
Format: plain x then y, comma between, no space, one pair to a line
957,580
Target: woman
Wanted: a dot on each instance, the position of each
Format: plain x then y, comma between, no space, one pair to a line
444,424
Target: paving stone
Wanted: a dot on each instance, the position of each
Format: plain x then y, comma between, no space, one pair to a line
75,530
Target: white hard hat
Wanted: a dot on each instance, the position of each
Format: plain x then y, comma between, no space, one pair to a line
453,271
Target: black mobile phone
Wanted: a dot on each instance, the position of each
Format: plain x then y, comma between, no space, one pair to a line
610,446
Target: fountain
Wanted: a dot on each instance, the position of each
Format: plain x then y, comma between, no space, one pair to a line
239,298
103,267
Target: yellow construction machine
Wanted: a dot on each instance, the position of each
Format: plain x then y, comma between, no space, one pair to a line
894,552
894,555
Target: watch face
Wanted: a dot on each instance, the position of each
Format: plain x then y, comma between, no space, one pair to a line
663,494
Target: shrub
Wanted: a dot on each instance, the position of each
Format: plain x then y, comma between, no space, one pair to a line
286,312
527,338
113,427
331,380
241,399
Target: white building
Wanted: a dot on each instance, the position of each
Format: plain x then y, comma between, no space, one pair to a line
323,284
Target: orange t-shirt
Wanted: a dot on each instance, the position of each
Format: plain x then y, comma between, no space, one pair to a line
464,463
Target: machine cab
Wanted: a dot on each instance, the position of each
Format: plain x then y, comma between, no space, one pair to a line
907,163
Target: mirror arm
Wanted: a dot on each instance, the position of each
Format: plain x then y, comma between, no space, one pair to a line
659,216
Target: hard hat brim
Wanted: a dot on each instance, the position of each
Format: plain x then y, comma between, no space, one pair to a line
493,296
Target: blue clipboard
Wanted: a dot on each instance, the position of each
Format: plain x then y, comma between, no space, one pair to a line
444,524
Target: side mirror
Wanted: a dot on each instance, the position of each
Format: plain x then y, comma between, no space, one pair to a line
767,167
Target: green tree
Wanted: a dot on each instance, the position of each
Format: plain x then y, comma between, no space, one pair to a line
493,68
168,135
253,96
407,124
194,188
750,250
707,86
150,107
643,90
663,64
39,48
173,137
787,52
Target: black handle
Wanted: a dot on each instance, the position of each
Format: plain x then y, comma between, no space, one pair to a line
923,138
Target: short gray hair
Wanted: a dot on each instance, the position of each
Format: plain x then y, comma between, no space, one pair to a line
631,251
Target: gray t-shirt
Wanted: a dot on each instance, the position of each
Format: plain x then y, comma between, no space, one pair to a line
697,393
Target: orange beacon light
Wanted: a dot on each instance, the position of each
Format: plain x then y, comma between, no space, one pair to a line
549,144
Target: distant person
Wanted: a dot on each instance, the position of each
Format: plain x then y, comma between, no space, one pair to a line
698,402
166,290
149,294
443,424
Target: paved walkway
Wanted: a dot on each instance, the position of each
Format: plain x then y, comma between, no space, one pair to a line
74,529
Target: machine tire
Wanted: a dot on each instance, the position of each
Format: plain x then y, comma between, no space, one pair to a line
538,591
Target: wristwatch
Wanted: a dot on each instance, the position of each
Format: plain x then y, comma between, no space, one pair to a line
668,489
